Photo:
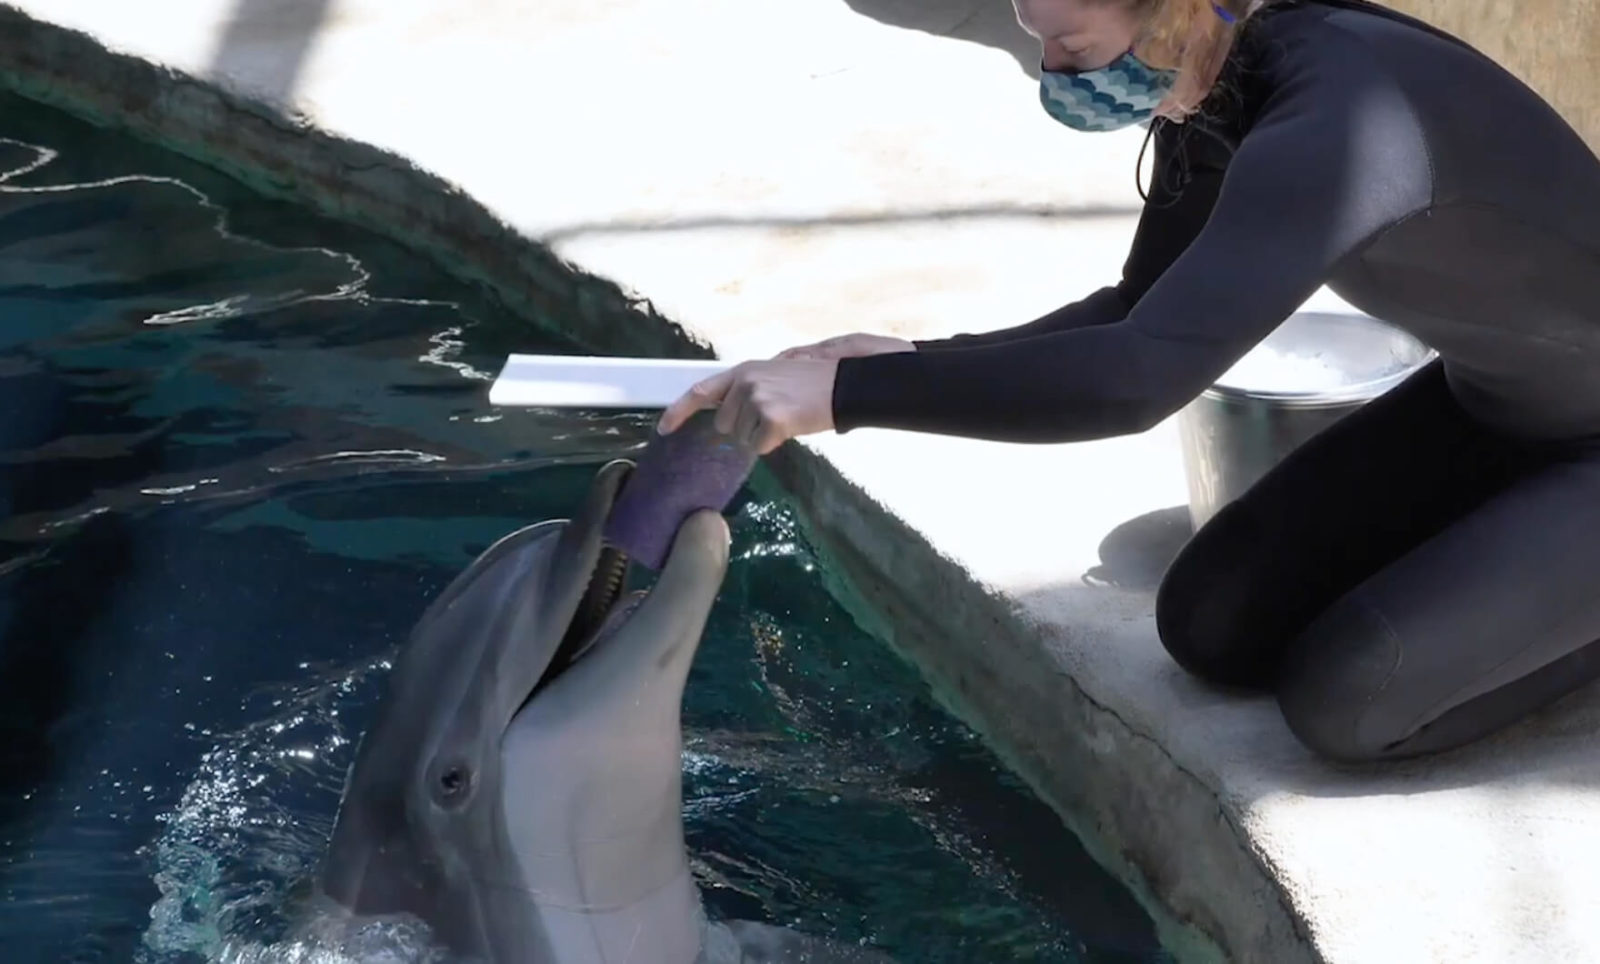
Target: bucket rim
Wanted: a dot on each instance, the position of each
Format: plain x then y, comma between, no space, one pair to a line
1363,391
1353,392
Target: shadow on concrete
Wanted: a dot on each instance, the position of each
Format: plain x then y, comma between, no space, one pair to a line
1136,554
992,23
268,41
866,219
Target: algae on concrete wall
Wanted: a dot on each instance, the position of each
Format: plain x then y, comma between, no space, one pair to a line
1553,45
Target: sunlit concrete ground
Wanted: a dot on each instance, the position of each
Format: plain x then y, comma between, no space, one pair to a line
771,173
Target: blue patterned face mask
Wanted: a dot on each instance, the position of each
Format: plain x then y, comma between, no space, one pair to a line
1125,91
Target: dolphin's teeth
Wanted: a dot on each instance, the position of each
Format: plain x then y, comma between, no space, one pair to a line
605,588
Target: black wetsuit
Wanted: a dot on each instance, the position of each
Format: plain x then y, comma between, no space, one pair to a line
1428,569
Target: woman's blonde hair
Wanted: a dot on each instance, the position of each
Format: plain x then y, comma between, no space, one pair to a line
1191,37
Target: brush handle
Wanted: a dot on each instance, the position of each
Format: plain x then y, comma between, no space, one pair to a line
598,381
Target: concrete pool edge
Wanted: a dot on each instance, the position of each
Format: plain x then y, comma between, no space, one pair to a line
1161,827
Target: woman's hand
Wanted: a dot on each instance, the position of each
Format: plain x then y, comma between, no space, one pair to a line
853,345
762,403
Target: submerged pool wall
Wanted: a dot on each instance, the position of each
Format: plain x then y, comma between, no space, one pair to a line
1156,824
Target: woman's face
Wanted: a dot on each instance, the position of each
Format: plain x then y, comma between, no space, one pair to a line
1078,35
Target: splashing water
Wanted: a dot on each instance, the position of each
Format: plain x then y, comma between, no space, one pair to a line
235,849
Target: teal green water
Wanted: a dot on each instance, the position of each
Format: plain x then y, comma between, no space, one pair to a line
244,446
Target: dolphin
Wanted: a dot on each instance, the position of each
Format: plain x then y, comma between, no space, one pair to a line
519,791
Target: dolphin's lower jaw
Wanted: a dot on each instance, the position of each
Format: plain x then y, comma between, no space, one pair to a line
621,880
666,926
594,774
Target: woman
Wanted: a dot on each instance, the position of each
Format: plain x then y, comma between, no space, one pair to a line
1423,573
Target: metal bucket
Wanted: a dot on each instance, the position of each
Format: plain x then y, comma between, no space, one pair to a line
1312,371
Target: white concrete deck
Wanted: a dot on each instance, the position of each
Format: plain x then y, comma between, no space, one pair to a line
769,173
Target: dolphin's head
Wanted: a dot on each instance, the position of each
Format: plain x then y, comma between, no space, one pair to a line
519,789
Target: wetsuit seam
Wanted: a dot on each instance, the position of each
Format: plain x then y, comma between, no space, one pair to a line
1450,701
1423,135
1498,329
1361,250
1358,251
1512,214
1358,598
1331,18
1429,200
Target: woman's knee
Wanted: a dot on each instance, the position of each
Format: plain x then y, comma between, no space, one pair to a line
1336,686
1207,612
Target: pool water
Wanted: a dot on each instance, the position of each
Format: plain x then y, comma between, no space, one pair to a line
243,447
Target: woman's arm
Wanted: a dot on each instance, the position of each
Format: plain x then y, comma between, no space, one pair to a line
1336,157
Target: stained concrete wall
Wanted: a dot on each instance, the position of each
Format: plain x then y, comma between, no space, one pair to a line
1553,45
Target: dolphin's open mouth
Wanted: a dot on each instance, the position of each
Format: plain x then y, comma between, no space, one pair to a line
604,588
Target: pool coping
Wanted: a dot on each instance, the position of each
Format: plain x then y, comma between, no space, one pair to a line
1165,830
